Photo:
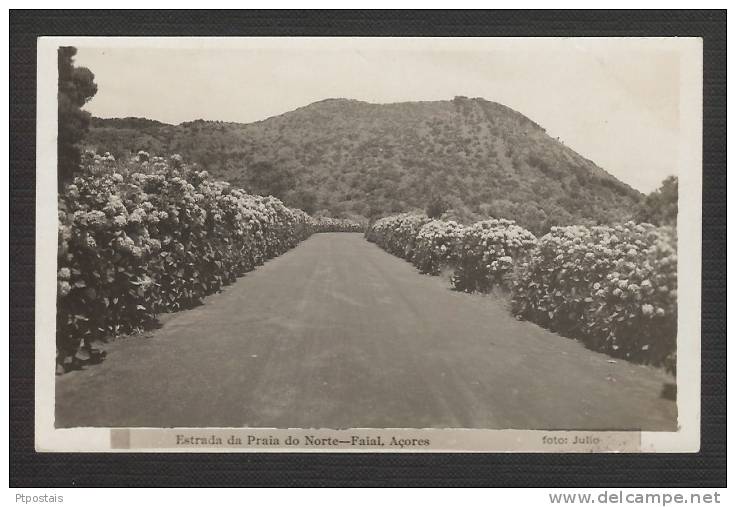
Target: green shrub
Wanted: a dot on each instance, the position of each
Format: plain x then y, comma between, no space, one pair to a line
615,288
491,250
436,246
153,236
612,287
328,224
397,234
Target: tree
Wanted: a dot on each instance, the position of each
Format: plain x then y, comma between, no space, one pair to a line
660,207
436,207
305,200
76,87
263,178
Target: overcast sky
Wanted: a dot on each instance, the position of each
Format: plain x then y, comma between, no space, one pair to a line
615,104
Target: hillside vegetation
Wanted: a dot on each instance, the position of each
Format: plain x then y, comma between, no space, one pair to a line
346,158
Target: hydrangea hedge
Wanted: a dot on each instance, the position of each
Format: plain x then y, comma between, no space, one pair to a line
613,287
491,251
152,236
328,224
397,234
437,246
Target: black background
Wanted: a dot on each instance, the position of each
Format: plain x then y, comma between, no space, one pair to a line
28,468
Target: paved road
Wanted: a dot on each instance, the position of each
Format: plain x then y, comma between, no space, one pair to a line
337,333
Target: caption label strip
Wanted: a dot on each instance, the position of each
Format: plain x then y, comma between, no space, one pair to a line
372,440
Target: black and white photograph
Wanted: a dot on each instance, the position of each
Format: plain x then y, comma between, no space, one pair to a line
368,244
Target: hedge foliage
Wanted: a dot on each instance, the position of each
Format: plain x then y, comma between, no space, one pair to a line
615,288
480,255
491,251
612,287
397,234
152,236
328,224
436,246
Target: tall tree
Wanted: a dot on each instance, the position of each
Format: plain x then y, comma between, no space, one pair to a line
264,178
660,207
76,87
436,207
302,198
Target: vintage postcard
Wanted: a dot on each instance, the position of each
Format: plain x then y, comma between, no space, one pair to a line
295,244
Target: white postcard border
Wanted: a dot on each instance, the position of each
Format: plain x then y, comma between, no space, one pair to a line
686,439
